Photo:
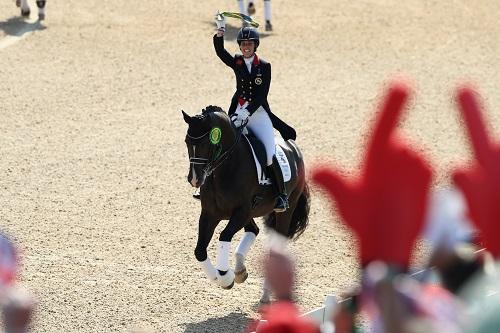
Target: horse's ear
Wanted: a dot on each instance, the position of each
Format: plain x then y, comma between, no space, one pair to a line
187,118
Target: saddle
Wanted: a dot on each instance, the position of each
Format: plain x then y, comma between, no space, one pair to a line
260,159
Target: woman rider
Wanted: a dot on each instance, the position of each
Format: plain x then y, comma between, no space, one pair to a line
249,103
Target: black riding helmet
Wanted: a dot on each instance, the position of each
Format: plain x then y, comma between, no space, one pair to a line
248,33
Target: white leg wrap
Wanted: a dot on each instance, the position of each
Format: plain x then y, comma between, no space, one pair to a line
209,269
267,10
223,252
245,244
241,5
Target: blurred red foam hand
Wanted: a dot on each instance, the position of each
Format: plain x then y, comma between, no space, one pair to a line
386,204
480,181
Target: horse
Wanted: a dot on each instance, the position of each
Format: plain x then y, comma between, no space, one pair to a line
25,8
222,166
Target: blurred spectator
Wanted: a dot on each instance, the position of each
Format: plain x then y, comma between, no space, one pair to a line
17,310
454,257
283,316
386,207
16,303
250,10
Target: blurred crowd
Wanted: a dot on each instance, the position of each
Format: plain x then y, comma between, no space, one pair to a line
16,304
390,206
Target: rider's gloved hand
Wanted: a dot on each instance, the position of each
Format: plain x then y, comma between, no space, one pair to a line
240,117
221,24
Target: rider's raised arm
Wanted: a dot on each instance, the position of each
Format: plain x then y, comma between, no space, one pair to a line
261,92
226,58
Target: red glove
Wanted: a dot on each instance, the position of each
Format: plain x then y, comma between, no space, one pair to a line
385,206
480,181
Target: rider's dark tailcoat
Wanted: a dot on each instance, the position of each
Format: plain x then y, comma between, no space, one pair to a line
252,87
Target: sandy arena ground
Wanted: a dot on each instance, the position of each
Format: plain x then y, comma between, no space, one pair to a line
93,164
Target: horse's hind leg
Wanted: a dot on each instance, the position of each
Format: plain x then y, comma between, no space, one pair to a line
246,242
41,9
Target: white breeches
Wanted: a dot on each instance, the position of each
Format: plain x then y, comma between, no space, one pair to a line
260,124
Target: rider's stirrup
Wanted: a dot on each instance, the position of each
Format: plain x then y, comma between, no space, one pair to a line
279,184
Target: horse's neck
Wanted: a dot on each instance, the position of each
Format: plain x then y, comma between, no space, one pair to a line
232,163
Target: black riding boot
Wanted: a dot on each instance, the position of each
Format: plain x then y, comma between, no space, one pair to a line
279,185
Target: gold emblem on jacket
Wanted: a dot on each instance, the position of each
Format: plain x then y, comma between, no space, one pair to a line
258,81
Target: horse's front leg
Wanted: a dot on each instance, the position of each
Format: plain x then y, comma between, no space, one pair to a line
246,242
225,276
206,227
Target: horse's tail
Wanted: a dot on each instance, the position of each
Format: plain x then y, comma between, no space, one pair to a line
300,216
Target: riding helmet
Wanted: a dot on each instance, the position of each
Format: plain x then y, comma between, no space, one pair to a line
248,33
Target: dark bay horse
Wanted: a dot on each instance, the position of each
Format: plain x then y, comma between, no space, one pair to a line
222,166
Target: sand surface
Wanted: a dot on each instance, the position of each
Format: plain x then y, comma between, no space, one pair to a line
93,163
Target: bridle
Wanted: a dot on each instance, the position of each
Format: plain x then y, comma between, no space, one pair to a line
215,156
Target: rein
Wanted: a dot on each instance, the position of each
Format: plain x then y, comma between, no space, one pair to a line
216,159
209,169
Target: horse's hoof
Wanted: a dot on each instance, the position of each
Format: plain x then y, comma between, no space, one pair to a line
18,3
226,281
25,12
241,276
230,286
41,16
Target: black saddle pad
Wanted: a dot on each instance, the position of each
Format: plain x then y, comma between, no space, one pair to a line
258,148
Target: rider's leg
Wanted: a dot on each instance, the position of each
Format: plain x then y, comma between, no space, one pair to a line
282,199
262,127
267,15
